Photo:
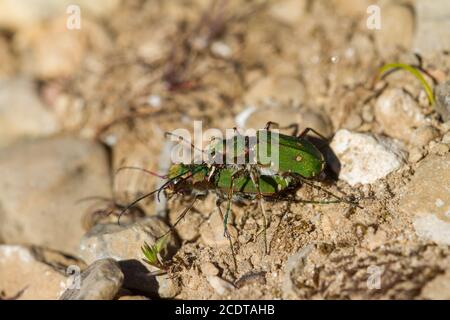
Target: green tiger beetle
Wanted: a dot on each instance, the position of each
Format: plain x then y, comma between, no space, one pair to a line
266,165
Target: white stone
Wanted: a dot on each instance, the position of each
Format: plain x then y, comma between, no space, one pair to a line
365,158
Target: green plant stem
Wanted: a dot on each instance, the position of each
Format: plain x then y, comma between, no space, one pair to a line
414,71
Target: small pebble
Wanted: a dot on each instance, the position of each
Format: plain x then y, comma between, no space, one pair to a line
415,155
154,101
209,269
244,238
398,113
353,122
221,49
100,281
367,114
446,138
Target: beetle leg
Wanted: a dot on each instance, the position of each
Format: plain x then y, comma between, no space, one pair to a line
294,126
305,132
218,203
255,180
181,216
269,124
225,218
230,198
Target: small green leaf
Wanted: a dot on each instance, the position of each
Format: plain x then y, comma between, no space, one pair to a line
161,243
151,252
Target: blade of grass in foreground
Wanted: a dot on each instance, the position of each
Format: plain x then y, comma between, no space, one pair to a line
414,71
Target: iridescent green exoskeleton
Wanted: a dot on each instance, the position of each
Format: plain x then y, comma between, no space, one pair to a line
253,167
269,163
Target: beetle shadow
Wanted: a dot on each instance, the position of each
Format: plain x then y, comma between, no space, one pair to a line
138,278
333,165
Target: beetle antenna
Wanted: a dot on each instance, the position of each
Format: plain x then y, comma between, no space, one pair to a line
137,200
158,191
140,169
132,204
180,217
353,203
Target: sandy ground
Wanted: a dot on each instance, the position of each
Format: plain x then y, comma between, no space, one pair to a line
158,66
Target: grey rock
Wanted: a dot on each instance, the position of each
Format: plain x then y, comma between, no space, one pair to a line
100,281
427,199
123,243
40,188
209,269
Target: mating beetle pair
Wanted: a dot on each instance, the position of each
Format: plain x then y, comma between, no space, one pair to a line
286,163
